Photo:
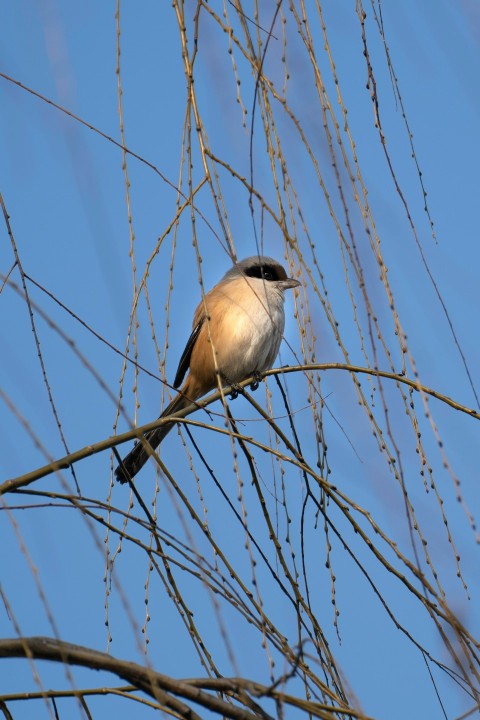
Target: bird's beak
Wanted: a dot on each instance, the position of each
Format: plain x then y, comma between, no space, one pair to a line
289,283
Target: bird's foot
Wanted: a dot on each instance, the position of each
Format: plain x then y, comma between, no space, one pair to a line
257,379
235,390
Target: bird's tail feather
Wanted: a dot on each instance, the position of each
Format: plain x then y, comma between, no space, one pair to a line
138,456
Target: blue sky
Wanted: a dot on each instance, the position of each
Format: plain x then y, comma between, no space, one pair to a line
64,188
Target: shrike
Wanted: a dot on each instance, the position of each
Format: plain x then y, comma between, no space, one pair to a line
237,330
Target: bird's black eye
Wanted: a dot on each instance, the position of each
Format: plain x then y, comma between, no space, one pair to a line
268,275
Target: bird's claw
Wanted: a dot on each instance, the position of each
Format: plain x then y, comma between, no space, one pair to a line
234,391
257,379
235,388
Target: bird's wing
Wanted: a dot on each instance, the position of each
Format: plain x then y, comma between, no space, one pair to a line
184,363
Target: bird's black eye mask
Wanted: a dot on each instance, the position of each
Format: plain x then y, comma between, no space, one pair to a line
270,273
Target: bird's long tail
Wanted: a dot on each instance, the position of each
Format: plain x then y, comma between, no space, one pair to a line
138,456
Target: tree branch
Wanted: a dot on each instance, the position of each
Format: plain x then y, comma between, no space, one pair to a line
137,433
160,687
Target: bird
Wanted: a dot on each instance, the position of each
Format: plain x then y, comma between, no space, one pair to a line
236,334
